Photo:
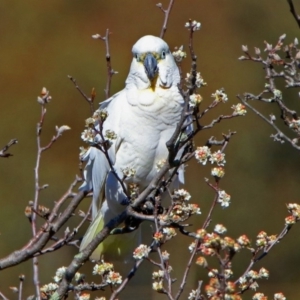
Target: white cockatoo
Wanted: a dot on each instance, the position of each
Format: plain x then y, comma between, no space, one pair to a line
142,117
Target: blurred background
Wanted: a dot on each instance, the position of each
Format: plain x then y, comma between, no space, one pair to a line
42,42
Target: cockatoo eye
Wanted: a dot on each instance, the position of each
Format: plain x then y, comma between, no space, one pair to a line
137,57
163,54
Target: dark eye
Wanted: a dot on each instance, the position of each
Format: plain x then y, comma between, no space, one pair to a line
163,54
136,57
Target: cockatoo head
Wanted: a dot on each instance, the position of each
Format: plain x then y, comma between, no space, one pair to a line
153,64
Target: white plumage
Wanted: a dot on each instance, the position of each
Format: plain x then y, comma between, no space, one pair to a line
144,116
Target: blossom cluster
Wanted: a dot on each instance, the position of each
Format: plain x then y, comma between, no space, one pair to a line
213,287
239,109
195,100
142,251
199,81
106,270
179,54
129,172
209,244
158,277
91,134
48,289
294,124
160,164
220,96
169,232
263,239
223,198
294,209
249,280
181,210
193,25
204,154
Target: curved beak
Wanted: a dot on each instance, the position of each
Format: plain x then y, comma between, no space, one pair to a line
150,64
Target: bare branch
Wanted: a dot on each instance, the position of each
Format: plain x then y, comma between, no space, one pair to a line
90,100
167,14
293,11
6,147
126,280
266,250
187,270
279,136
43,235
84,255
21,279
110,71
3,297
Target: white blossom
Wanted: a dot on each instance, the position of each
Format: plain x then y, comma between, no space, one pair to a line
60,272
239,109
224,198
113,278
220,96
182,194
141,252
202,154
179,54
218,157
195,100
220,229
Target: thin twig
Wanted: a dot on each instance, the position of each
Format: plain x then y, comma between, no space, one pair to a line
66,240
279,134
213,205
6,147
43,101
167,14
163,263
84,255
20,292
35,262
293,11
198,294
126,280
46,232
90,100
266,250
110,71
187,270
3,297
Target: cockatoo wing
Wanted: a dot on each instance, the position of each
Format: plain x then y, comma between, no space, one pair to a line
97,169
97,166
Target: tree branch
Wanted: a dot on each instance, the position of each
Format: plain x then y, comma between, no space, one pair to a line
6,147
279,136
167,14
293,11
110,71
36,244
84,255
90,100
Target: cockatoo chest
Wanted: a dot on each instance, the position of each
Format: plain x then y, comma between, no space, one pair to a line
144,132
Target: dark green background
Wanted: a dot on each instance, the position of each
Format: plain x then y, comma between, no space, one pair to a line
42,42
